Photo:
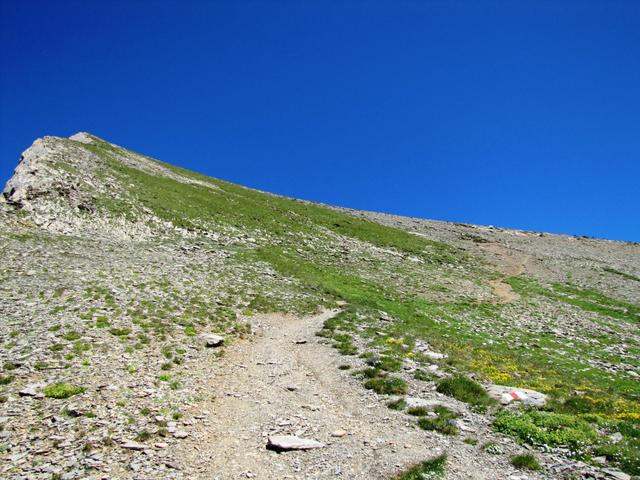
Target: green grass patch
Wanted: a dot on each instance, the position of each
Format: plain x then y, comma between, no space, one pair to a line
525,462
466,390
190,205
71,336
387,385
120,332
429,469
418,411
547,428
444,422
62,390
398,404
586,299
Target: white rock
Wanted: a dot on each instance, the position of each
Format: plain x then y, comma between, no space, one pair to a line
133,446
289,442
213,340
506,395
434,355
616,437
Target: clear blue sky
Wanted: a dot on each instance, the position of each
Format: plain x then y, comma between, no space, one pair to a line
519,114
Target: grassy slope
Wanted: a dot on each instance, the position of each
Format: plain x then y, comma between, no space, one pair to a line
404,280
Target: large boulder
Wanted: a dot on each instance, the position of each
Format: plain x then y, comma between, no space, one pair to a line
505,395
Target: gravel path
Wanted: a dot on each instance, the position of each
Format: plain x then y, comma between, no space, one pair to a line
285,382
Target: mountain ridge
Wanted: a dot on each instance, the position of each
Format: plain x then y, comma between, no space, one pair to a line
87,138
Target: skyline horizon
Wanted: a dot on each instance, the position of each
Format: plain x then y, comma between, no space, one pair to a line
495,113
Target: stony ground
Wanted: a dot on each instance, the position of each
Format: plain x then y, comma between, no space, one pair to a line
286,382
114,269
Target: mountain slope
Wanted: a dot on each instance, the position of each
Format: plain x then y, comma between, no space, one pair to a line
114,265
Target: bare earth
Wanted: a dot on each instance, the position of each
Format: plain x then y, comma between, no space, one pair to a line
286,382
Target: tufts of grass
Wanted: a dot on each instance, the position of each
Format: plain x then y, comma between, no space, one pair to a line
466,390
430,469
398,404
71,336
387,385
418,411
423,375
120,332
62,390
102,322
166,366
385,362
525,462
344,344
492,448
143,436
6,379
8,365
443,422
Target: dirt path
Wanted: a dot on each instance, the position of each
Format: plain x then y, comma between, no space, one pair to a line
503,291
511,264
285,381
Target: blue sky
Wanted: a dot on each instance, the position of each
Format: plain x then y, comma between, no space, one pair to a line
518,114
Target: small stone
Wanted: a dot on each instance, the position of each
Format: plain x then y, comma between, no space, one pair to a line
434,355
292,388
180,434
160,445
338,433
74,410
290,442
133,446
30,391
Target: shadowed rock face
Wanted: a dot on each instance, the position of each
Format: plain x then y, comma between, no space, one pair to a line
29,179
165,323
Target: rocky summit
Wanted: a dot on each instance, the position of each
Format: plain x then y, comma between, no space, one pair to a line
160,324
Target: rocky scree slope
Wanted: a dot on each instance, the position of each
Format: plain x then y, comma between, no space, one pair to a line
115,267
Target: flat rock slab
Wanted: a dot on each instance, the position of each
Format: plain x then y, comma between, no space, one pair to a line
506,395
289,442
133,446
